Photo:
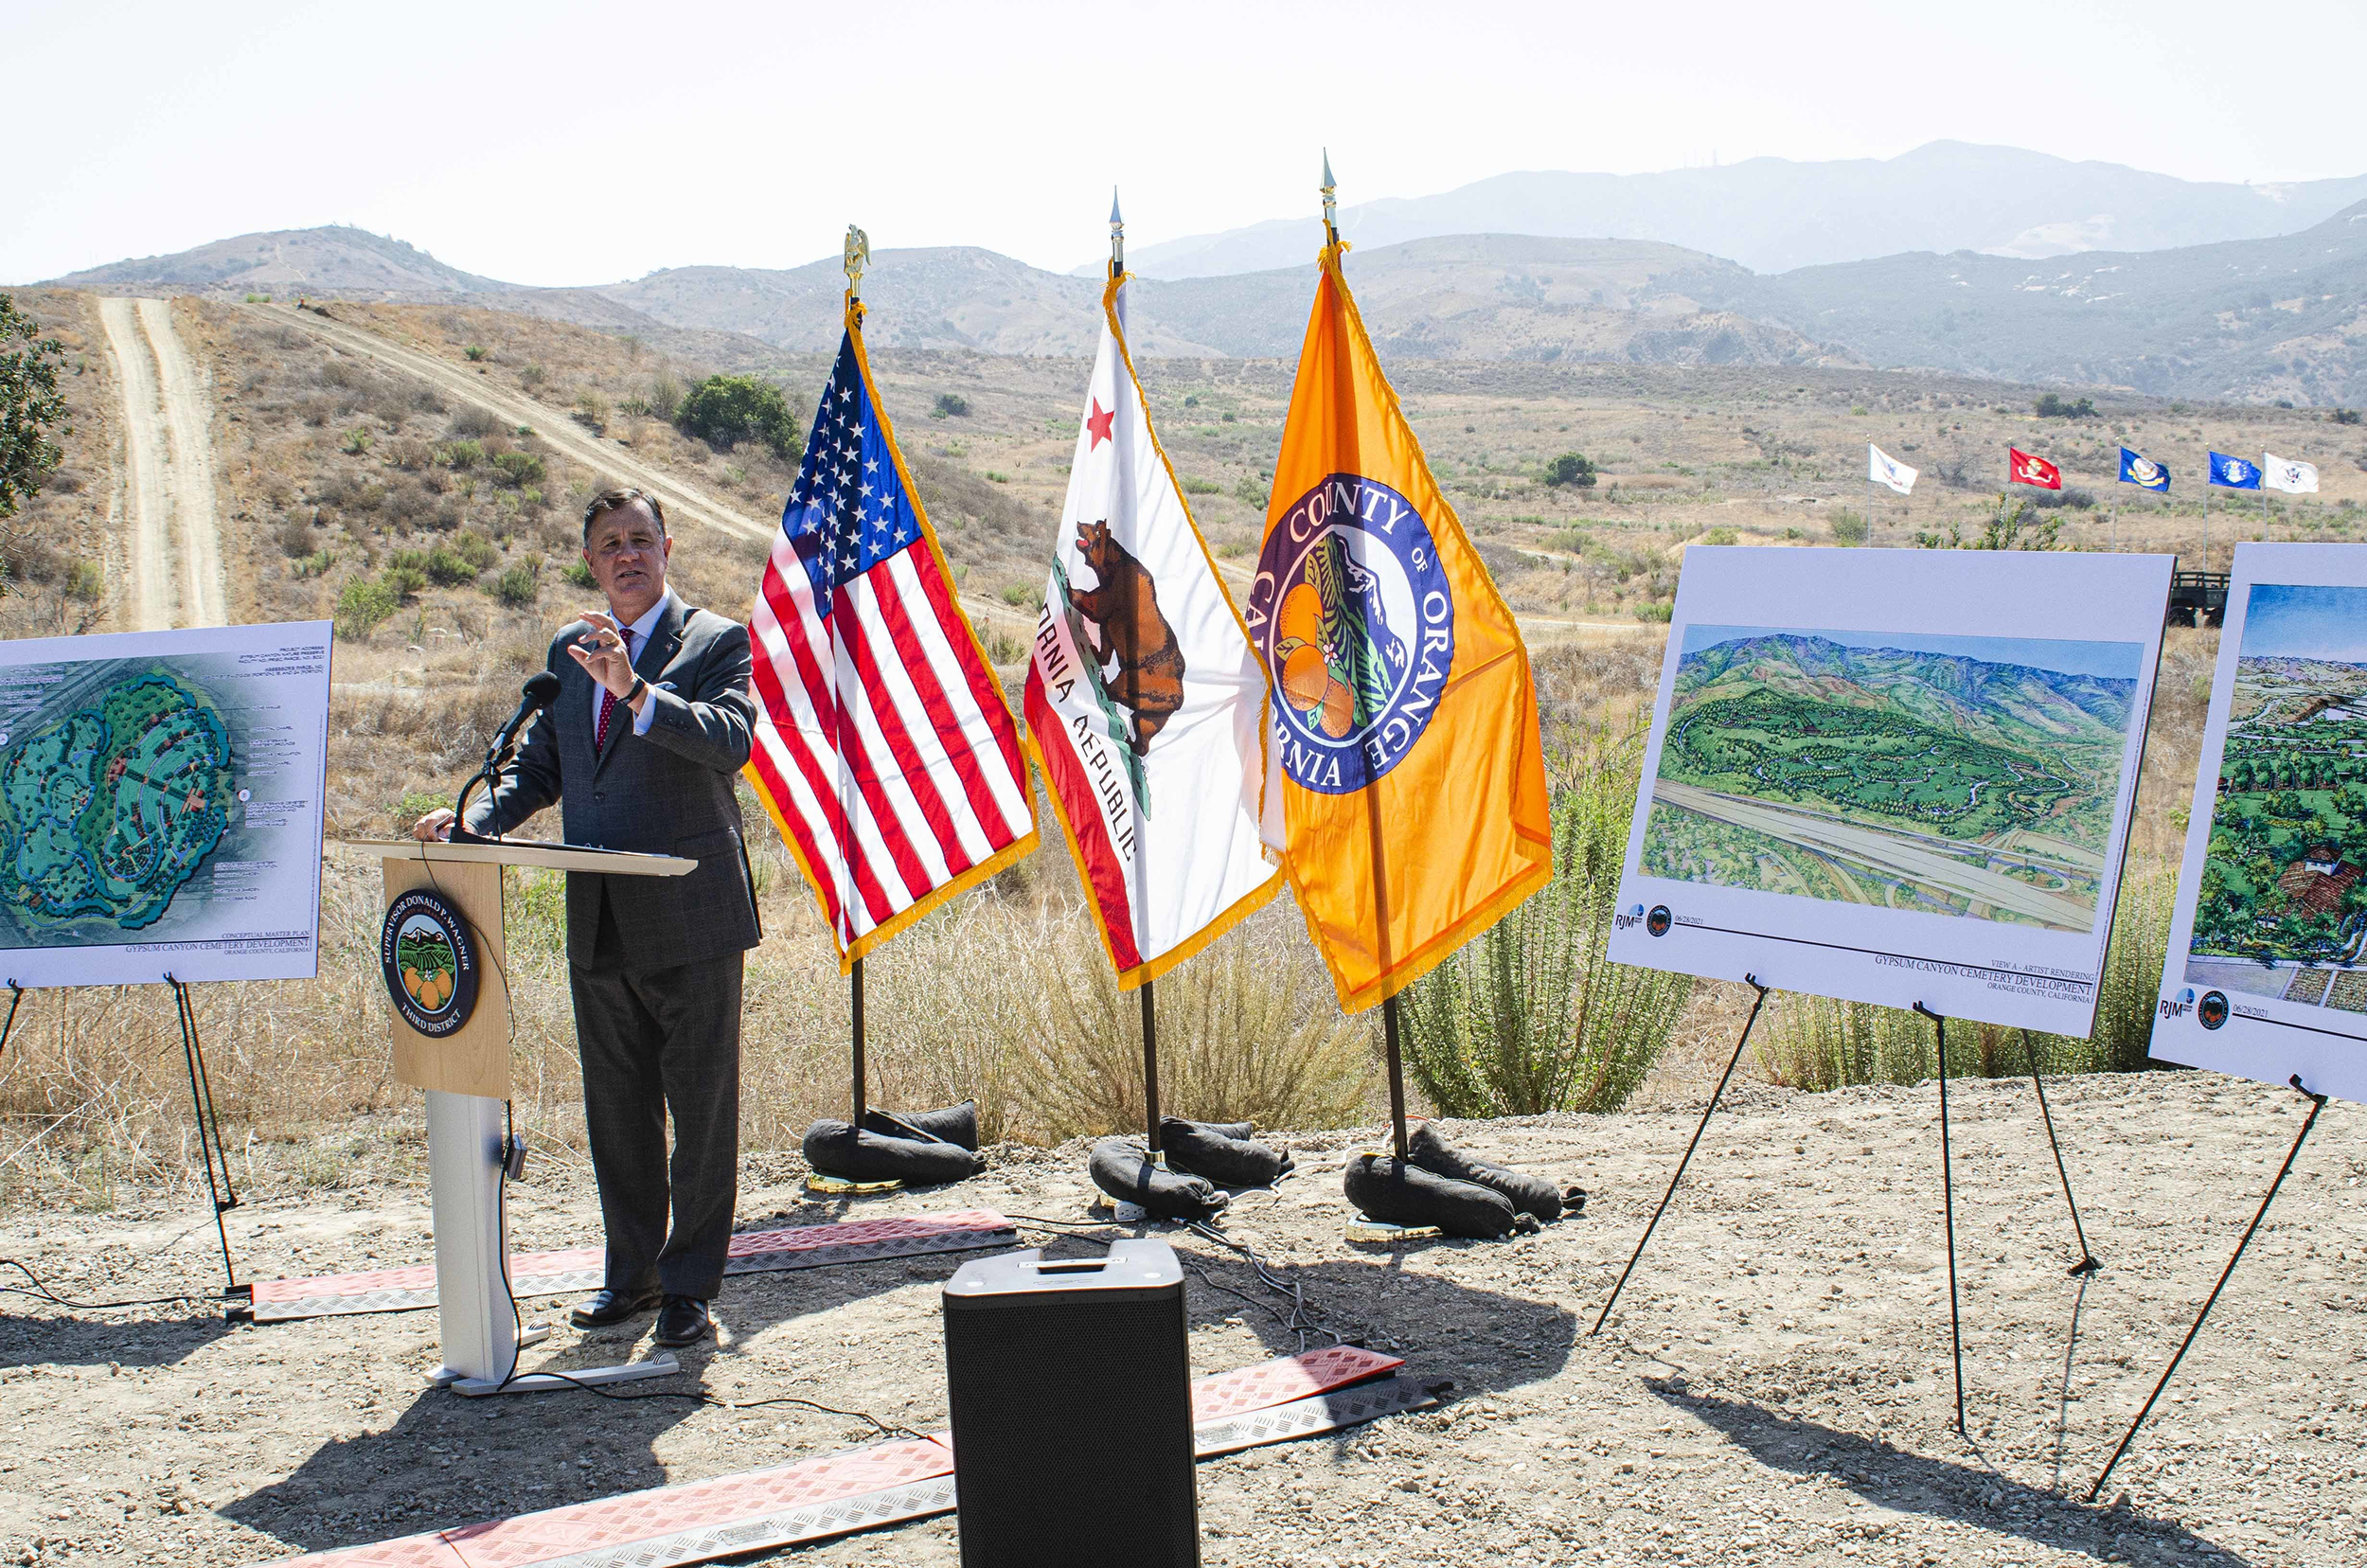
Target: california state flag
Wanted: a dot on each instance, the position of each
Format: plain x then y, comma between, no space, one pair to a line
1144,700
1406,783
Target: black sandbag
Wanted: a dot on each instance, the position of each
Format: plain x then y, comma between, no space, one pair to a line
835,1149
1216,1150
1121,1169
1382,1190
1532,1195
954,1124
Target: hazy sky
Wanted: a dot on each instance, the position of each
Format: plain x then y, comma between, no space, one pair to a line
576,143
2113,661
2285,621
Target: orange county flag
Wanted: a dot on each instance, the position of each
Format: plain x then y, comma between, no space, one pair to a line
1405,780
1145,700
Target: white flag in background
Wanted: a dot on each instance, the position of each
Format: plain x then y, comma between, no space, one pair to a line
2284,474
1883,469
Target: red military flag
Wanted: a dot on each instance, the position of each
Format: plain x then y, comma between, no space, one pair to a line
2023,469
883,748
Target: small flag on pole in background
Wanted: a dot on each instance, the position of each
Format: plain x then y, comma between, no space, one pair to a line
2143,472
1145,700
2234,472
883,749
1405,778
2023,469
2286,474
1883,469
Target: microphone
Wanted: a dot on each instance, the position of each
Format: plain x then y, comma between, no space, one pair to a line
532,699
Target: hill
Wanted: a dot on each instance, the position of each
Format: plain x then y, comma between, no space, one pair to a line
2010,704
2247,321
348,263
1773,214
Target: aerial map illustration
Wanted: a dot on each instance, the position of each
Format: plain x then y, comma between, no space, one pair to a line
2282,910
109,802
1971,776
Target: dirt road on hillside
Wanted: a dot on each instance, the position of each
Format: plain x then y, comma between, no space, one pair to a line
176,556
553,425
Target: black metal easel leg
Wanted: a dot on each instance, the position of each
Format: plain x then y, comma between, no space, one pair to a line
2088,1263
1947,1190
1756,1004
16,1000
2316,1103
226,1196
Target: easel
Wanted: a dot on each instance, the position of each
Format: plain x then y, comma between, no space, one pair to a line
218,1185
2088,1263
471,1148
2316,1103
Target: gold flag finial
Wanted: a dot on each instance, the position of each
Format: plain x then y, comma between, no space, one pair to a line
858,257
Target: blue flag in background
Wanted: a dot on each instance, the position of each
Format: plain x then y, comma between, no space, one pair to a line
2234,473
2143,472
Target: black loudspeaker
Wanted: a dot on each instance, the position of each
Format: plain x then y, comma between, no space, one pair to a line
1072,1394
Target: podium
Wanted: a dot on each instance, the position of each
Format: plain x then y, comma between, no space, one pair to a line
448,997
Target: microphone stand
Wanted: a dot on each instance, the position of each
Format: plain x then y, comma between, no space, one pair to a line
505,743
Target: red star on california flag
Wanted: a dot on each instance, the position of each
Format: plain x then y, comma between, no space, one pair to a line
1098,422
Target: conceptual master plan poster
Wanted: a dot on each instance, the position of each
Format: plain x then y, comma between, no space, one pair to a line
1896,775
160,804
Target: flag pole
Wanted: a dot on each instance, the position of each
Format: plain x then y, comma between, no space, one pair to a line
856,255
1389,1027
1148,988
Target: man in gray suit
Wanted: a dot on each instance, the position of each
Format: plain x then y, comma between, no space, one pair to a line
640,749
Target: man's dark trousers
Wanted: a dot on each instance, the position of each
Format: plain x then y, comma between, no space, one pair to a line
651,1040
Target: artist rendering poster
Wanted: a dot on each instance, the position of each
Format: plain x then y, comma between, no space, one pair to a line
1896,775
160,804
2265,975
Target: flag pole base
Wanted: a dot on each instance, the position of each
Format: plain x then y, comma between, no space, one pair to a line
839,1187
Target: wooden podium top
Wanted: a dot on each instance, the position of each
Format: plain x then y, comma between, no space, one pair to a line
553,857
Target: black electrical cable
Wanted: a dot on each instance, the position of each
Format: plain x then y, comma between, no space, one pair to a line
40,1292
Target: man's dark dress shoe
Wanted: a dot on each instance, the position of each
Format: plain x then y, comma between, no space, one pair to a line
605,1307
682,1321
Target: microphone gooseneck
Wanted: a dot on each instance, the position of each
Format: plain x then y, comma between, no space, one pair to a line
532,698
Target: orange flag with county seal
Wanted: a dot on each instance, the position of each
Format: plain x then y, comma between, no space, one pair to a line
1405,783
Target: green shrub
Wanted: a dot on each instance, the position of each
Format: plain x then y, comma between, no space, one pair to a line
1534,1016
1569,468
448,568
517,586
591,412
532,377
1201,486
2049,406
477,352
1249,491
725,411
952,405
1719,536
357,441
405,581
579,573
363,604
1850,527
518,469
461,455
31,407
85,581
1017,594
664,396
316,565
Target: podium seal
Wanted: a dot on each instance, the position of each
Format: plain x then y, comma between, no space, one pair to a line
429,961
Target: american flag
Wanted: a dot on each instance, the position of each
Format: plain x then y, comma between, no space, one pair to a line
884,747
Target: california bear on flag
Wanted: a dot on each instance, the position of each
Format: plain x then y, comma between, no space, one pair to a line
1145,700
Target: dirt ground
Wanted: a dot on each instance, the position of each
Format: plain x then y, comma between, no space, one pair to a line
1774,1387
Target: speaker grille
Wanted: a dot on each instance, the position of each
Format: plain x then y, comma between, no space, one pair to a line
1073,1432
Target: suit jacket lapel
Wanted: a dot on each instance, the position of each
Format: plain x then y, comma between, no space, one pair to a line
665,638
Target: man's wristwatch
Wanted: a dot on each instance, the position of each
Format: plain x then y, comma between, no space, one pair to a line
632,693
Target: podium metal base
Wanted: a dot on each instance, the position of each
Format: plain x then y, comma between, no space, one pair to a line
445,1375
545,1382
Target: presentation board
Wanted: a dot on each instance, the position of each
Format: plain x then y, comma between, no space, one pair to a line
1896,775
160,804
2265,977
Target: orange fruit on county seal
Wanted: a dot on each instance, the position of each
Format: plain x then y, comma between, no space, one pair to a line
1301,618
1339,710
411,982
1304,677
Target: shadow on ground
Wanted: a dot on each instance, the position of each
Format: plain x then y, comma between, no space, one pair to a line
1940,1488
